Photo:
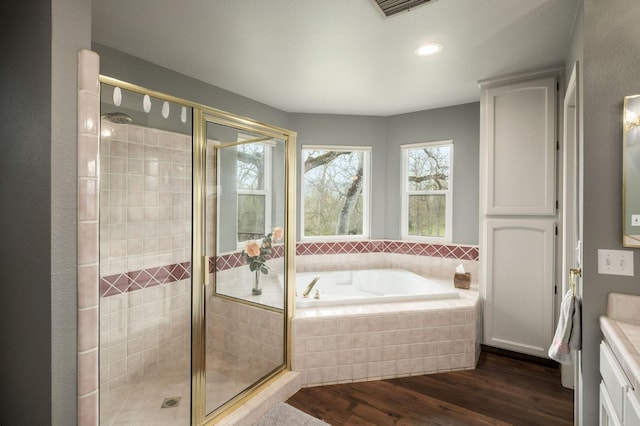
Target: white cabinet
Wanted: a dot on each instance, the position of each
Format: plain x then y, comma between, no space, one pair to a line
519,302
520,136
608,416
632,413
518,211
618,402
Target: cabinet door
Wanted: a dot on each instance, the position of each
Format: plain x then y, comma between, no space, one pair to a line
614,379
608,415
632,410
520,133
518,308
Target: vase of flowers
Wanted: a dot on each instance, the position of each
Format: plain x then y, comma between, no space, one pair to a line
256,253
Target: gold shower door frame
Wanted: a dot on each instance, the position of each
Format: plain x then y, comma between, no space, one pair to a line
202,115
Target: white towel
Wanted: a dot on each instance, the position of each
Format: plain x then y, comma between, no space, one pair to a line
560,349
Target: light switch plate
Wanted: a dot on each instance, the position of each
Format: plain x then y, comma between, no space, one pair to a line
635,220
615,262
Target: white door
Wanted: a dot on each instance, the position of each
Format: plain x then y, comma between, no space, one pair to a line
572,218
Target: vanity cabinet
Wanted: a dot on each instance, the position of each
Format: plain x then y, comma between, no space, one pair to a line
518,210
632,415
618,402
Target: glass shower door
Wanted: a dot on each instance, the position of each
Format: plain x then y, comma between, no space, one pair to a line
193,261
244,293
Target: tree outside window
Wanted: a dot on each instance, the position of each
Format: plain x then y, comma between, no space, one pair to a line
427,189
335,191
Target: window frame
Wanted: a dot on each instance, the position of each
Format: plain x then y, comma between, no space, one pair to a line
266,191
366,192
406,193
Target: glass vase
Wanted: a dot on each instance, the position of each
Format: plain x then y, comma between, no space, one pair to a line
256,290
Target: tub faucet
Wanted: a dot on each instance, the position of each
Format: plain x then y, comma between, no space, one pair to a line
307,290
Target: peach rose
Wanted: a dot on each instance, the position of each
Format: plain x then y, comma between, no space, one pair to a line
278,233
252,249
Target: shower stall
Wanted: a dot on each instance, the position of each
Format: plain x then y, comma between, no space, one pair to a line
196,239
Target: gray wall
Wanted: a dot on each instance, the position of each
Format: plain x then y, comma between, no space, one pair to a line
611,64
38,129
460,123
320,129
131,69
385,134
25,252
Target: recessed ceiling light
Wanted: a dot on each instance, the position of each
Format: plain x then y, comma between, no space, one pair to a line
429,49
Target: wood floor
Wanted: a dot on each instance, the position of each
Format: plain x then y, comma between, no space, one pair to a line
501,391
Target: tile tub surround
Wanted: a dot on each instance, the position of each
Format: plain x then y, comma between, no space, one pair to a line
382,341
379,341
433,260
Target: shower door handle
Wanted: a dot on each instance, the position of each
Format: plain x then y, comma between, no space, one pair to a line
205,270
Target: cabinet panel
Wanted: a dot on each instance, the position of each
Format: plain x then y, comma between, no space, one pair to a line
632,410
613,378
519,284
608,416
520,139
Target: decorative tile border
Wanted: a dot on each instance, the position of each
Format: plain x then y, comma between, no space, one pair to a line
449,251
339,247
432,250
135,280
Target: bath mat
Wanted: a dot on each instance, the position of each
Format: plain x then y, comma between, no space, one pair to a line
284,414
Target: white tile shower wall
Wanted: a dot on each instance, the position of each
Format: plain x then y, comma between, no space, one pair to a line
141,330
145,198
373,346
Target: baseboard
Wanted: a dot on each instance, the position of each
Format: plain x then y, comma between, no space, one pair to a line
517,355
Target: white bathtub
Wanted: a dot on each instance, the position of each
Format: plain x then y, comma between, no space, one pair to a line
367,286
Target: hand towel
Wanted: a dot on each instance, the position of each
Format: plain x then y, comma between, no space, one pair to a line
575,341
559,349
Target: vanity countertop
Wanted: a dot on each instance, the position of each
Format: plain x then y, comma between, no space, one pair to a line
621,329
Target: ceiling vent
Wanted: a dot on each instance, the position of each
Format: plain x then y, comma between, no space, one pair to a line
391,7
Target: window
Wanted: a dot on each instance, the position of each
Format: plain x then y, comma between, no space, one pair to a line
427,190
335,191
254,187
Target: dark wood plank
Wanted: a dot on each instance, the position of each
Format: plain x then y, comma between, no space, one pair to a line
501,391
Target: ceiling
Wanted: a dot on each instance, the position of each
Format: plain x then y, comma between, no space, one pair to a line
340,56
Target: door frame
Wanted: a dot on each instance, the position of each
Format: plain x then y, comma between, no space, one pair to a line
572,217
